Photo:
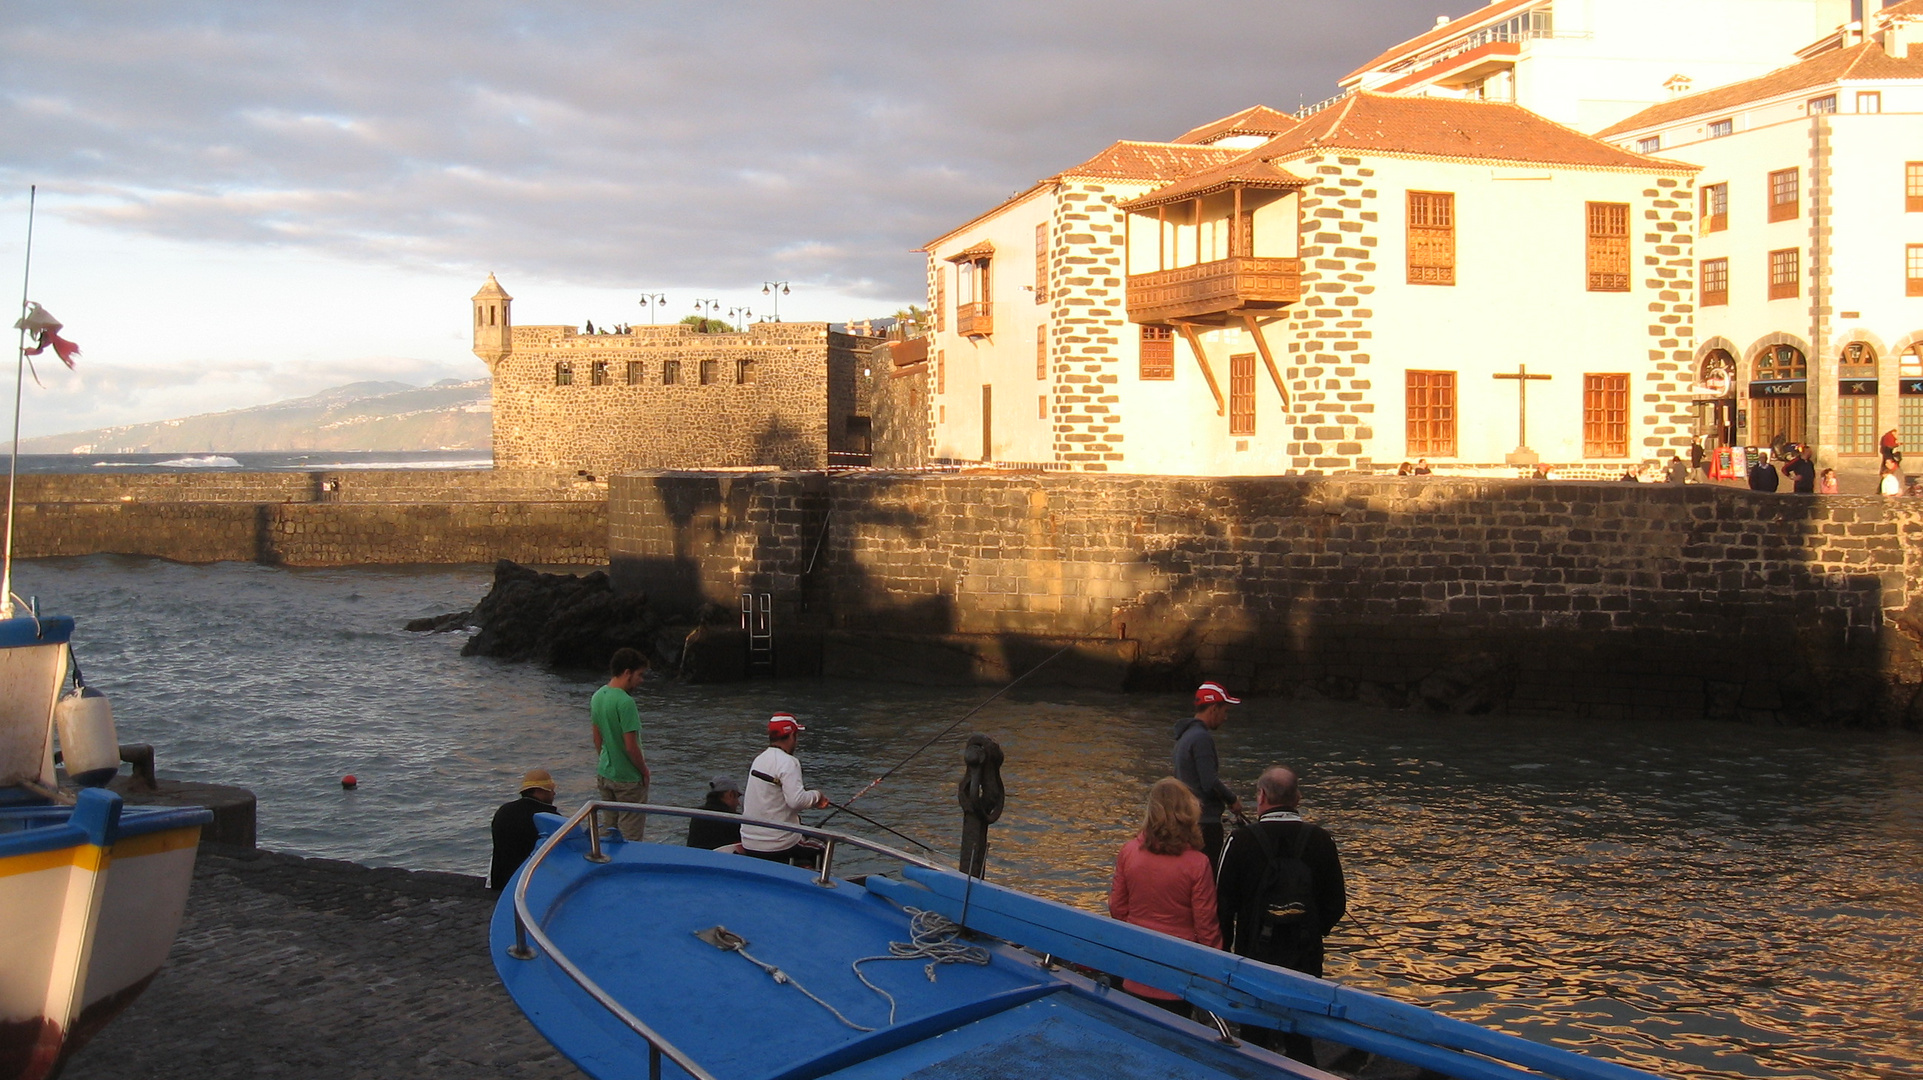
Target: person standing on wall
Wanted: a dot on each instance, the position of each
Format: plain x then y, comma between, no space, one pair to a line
1195,762
776,793
1279,892
621,772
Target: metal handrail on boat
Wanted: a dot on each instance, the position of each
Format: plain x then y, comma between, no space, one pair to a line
525,927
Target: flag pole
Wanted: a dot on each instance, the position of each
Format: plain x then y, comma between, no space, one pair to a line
19,375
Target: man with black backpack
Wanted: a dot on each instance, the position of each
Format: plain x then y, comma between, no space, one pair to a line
1278,891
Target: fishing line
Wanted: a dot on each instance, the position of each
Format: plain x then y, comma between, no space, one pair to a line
858,814
959,721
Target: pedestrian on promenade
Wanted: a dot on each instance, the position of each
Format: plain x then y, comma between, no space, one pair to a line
1801,472
1195,762
724,796
1405,469
1891,447
1163,881
1279,892
1677,471
1762,474
1891,480
621,772
1826,483
513,826
1696,460
776,793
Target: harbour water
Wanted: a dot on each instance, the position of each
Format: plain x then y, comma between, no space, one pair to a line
1703,900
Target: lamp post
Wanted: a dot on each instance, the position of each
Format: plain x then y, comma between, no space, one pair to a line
705,309
776,289
653,302
741,313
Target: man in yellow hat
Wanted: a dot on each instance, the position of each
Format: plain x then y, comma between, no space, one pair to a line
513,826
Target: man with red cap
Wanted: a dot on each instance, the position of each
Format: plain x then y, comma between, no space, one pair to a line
775,793
1195,762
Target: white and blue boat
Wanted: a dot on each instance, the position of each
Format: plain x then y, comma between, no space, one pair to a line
91,892
640,960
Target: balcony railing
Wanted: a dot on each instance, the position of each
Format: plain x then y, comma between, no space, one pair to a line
1214,288
974,320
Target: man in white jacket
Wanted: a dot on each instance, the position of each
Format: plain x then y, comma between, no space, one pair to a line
775,793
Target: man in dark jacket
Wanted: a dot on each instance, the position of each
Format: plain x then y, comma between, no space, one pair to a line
724,795
1195,763
1801,471
1762,475
1247,895
513,826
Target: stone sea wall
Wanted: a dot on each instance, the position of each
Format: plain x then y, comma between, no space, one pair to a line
1603,599
346,518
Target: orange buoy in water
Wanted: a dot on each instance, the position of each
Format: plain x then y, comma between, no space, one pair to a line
348,781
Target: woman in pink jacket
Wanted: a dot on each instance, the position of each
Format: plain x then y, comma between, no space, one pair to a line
1162,880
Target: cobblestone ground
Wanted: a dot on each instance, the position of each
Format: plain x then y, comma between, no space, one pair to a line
291,967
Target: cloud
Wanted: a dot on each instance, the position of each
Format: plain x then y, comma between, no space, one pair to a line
626,143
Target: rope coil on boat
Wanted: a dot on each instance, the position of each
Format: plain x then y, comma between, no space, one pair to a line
728,941
931,937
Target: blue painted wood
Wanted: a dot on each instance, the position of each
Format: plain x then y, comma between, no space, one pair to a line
25,630
1198,972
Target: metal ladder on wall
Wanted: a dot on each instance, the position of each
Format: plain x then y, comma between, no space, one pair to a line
758,622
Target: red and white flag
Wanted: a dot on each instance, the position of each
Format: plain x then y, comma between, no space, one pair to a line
46,332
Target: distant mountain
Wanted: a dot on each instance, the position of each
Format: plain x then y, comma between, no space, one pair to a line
449,415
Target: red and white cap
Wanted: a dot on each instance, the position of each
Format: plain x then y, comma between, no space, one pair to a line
781,725
1212,693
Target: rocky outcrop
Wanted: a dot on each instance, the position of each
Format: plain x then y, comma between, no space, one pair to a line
561,620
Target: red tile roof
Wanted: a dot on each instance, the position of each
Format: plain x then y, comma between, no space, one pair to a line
1493,12
1255,120
1252,169
1454,128
1864,61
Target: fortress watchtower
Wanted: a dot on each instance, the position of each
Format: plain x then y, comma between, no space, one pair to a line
493,324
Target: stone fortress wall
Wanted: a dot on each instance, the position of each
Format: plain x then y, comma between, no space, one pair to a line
782,394
1609,600
346,518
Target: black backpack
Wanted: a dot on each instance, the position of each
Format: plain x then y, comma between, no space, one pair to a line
1283,925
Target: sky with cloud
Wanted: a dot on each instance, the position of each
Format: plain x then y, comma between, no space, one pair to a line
241,202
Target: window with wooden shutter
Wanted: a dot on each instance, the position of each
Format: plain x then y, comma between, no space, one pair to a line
1432,238
1715,282
1605,416
1041,262
1715,207
1041,351
1785,195
1430,405
636,372
1913,187
1242,394
1785,274
1913,263
1158,353
941,298
1608,247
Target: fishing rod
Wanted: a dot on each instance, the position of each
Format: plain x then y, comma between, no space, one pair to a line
842,807
959,721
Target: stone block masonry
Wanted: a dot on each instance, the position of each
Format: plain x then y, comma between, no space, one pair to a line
317,519
1605,600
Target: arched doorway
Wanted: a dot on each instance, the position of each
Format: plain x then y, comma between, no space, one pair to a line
1856,419
1714,397
1778,396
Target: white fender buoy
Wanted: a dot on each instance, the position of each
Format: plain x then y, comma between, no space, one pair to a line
88,744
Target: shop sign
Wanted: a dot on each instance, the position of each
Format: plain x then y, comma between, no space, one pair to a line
1779,388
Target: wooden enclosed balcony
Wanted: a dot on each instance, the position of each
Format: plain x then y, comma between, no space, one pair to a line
974,320
1214,289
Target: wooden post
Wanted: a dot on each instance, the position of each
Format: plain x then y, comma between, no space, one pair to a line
1262,346
1195,342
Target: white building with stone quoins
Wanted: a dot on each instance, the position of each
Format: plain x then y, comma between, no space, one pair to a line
1810,244
1356,289
1589,63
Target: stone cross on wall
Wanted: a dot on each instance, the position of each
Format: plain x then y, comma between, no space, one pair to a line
1522,455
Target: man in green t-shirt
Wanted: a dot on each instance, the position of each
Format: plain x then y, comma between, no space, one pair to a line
621,773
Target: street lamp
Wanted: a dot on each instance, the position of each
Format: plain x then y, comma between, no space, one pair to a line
741,313
705,309
653,301
776,289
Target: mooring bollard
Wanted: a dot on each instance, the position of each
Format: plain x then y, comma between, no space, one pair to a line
981,800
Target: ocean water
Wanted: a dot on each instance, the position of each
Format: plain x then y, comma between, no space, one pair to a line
257,461
1702,900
